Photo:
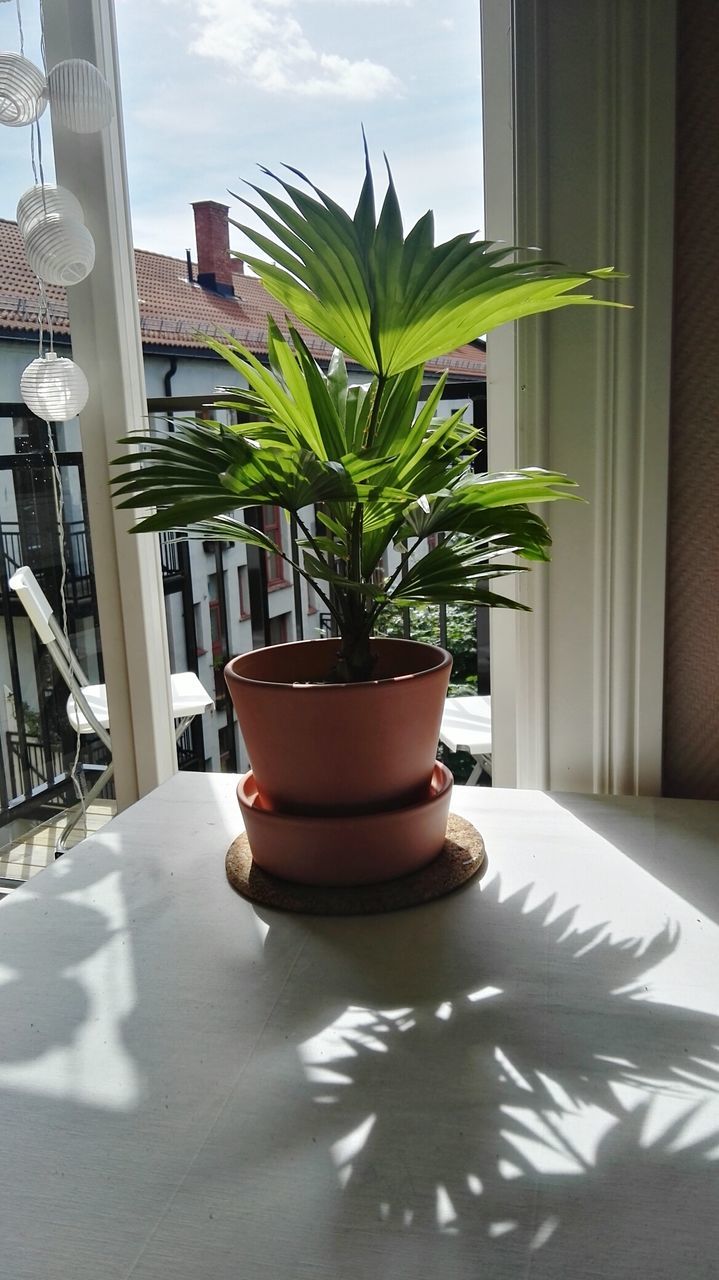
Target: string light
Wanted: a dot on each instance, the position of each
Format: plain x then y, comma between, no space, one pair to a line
60,250
54,388
23,90
80,96
45,200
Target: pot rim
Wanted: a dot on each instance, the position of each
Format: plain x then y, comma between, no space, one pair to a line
277,816
446,660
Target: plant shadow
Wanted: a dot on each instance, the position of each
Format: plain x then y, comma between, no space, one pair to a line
527,1096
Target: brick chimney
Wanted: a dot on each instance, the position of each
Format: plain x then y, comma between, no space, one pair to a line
215,267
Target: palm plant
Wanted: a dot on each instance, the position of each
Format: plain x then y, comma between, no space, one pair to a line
381,468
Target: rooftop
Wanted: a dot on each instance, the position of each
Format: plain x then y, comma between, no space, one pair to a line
175,312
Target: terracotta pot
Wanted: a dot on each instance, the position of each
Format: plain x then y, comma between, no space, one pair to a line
329,748
347,849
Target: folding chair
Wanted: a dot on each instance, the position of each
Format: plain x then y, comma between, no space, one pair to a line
87,708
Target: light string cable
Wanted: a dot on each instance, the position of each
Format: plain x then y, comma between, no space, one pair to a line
45,318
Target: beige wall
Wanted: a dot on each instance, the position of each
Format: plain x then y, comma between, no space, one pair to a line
691,730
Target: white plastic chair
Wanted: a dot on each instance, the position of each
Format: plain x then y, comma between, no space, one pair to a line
467,726
87,708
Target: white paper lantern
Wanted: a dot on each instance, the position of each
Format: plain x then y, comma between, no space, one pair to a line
40,202
54,388
80,96
23,90
60,250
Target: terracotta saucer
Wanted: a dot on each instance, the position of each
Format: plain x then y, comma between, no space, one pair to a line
346,848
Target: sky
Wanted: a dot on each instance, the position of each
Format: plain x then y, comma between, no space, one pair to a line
214,88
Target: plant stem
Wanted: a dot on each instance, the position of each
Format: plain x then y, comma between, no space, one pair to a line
374,415
310,538
308,577
381,605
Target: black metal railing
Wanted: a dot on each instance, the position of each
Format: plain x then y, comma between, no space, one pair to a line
34,756
170,554
37,746
11,545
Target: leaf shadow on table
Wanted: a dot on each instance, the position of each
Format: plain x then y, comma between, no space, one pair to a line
471,1107
56,1001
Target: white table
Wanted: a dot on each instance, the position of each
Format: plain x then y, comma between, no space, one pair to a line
520,1080
467,726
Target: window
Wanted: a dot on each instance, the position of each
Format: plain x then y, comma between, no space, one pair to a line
243,587
278,629
217,639
224,739
215,617
272,526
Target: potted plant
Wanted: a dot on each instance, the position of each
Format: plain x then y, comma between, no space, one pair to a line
343,730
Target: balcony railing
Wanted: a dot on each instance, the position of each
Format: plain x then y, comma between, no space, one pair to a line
37,746
169,555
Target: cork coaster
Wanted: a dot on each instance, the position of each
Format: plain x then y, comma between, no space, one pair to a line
461,858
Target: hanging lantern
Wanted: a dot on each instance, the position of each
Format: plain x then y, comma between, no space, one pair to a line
54,388
60,250
45,201
80,96
23,90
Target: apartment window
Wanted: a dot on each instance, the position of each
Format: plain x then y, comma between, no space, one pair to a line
243,587
224,740
278,629
215,616
272,526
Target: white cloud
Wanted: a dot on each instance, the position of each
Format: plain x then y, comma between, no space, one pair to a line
401,4
263,42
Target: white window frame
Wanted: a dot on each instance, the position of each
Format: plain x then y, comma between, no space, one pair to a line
106,343
577,688
579,158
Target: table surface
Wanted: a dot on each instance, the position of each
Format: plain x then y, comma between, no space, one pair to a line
520,1080
467,724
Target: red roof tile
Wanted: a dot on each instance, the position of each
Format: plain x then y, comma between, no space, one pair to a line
175,313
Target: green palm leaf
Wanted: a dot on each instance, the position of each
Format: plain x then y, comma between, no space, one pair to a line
387,301
453,571
379,465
